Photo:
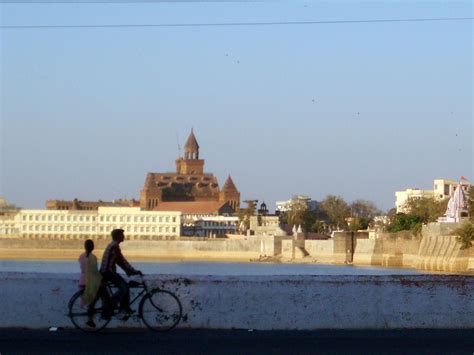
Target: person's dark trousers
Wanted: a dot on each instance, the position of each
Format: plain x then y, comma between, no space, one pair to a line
123,293
101,294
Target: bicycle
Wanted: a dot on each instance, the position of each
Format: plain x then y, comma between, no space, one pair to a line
160,310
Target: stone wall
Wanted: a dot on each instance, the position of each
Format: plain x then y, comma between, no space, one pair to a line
434,250
193,248
266,302
320,250
399,249
368,252
345,245
443,253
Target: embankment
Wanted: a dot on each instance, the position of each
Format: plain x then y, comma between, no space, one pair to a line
267,302
192,249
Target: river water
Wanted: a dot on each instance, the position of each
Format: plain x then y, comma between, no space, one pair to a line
210,268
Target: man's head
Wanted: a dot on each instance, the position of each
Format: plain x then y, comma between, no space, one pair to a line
117,235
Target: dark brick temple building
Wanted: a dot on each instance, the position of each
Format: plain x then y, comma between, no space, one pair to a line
189,190
188,184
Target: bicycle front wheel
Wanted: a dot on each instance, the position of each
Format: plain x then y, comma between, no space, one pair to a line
79,317
160,310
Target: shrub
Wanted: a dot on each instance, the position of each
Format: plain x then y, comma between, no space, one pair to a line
465,235
403,222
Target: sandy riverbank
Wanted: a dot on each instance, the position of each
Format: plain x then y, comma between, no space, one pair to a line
72,254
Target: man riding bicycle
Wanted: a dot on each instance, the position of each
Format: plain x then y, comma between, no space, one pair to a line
112,257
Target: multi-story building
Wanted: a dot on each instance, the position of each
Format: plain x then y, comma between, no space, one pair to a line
89,205
91,224
212,226
442,189
285,206
8,224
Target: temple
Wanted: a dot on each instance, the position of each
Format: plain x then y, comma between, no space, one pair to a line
188,184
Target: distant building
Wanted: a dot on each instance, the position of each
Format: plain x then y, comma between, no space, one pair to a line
188,184
284,206
265,225
442,189
5,206
76,224
211,226
79,205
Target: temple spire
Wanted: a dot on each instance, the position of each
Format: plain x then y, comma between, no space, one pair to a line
229,185
191,149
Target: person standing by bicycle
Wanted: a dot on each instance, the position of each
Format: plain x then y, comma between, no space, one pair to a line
112,257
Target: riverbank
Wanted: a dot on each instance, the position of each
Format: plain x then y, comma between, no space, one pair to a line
73,255
435,250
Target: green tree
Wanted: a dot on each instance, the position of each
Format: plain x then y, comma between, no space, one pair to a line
358,223
404,222
419,211
427,209
319,227
465,234
336,210
364,209
297,212
363,213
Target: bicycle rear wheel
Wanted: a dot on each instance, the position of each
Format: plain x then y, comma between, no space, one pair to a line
160,310
78,314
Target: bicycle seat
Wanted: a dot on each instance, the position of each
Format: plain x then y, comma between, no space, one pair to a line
134,284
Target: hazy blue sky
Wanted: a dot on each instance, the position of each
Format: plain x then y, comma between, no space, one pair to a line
87,113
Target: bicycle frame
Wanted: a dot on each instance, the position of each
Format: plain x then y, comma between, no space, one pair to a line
143,286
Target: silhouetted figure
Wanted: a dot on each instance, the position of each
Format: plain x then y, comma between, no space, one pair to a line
90,281
111,258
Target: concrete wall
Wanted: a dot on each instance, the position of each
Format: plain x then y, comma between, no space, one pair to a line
321,250
251,247
288,249
345,245
399,249
443,253
434,250
267,302
368,252
434,229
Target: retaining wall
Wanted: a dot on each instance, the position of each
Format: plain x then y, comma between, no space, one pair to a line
430,251
267,302
321,250
443,253
244,249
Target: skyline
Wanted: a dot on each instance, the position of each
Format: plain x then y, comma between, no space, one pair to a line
359,111
272,207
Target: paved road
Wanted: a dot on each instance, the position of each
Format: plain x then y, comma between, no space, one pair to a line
17,341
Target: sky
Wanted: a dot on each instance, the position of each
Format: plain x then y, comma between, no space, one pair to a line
359,110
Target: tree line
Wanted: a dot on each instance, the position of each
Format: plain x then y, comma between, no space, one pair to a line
334,213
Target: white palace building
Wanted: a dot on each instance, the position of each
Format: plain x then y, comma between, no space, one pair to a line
80,224
137,223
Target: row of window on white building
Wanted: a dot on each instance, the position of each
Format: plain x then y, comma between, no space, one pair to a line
128,219
104,229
